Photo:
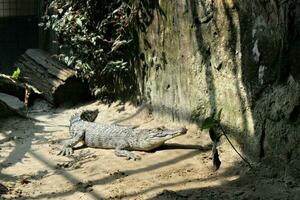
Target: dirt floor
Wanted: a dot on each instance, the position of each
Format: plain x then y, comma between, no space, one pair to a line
31,169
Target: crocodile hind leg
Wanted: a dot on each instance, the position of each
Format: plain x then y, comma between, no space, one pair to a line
125,153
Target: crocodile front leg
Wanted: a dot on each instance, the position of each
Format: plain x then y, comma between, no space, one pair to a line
70,143
125,153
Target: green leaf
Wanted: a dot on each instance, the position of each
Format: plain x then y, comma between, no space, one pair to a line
70,17
48,24
60,10
219,115
209,123
16,74
79,22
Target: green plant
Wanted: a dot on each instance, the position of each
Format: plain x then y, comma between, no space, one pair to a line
213,124
212,121
96,39
16,74
216,130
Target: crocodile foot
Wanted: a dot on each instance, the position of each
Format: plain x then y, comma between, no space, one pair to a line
125,153
132,156
66,151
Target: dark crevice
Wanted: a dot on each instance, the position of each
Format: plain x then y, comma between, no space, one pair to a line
262,140
295,114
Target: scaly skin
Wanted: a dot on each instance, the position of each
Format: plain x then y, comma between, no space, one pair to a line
111,136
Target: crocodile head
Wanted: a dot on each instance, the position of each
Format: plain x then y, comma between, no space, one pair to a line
156,137
84,115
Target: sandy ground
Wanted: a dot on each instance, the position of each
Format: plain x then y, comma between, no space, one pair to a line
31,169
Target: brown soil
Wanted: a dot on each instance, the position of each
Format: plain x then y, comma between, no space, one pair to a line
31,169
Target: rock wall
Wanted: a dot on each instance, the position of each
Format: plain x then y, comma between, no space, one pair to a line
198,56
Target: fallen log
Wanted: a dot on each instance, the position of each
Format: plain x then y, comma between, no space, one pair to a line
54,79
6,110
22,90
12,87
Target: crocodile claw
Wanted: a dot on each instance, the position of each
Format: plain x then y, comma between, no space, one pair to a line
134,157
66,151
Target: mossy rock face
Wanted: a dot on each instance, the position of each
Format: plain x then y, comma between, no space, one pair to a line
201,56
278,123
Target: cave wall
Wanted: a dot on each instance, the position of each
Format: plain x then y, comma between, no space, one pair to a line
199,56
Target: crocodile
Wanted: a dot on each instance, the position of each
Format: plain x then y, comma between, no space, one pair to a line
112,136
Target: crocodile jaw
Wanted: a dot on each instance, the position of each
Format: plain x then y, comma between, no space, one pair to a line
157,139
